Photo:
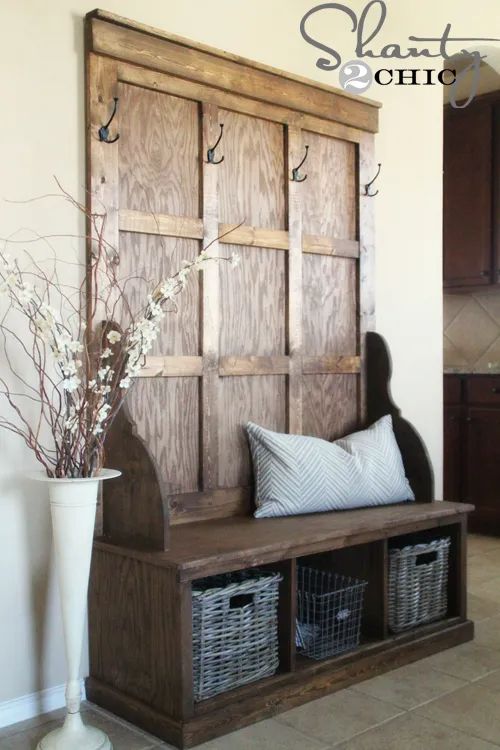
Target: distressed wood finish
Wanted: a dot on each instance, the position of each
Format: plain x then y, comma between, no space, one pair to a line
330,405
123,39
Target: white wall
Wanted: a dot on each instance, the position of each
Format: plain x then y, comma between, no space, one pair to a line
41,127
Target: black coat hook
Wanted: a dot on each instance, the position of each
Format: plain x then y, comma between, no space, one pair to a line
296,176
211,151
368,186
104,129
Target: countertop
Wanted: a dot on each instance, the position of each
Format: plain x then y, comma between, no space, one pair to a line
471,371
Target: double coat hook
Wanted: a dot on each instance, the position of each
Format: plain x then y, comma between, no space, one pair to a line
296,176
368,186
104,129
211,151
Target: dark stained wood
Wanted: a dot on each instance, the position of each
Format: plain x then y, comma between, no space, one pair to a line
452,389
128,599
482,467
483,389
135,506
454,435
205,506
261,399
379,402
211,547
467,191
283,692
330,405
127,40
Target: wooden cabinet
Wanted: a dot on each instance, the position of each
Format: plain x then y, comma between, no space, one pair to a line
471,194
472,447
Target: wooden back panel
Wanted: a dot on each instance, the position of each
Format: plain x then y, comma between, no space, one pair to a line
278,340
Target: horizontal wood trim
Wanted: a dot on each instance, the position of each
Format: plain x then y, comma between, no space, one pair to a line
172,367
128,41
252,237
330,364
231,234
204,506
169,84
330,246
254,366
163,224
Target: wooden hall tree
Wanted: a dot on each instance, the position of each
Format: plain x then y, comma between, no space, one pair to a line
281,340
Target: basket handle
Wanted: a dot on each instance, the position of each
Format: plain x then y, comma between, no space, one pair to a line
238,601
426,557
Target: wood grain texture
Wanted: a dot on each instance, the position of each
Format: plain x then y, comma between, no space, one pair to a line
330,305
254,237
169,84
252,299
166,411
330,201
254,366
252,175
189,61
189,507
295,203
164,224
330,364
129,599
366,272
259,399
159,160
330,405
210,307
148,259
330,246
171,367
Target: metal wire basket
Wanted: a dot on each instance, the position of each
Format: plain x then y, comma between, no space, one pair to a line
418,584
329,609
235,630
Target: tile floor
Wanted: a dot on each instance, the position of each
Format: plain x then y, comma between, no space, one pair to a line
450,701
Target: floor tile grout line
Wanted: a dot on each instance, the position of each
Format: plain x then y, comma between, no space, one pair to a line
461,731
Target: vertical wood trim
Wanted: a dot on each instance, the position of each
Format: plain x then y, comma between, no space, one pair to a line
186,649
211,305
102,171
295,154
366,274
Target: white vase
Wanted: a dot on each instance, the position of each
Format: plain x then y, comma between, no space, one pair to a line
73,507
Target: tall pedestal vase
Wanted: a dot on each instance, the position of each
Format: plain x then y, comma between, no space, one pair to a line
73,508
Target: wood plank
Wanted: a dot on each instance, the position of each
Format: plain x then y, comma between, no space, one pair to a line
163,224
211,308
184,226
321,245
366,274
254,237
252,175
191,62
253,366
253,298
231,711
227,544
330,364
260,399
169,84
330,201
330,405
206,506
172,367
295,153
329,305
159,161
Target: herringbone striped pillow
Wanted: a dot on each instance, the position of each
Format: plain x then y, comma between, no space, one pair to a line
297,474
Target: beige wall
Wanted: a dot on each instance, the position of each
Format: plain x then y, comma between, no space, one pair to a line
41,63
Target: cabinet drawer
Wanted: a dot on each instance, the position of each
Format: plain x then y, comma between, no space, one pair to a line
484,390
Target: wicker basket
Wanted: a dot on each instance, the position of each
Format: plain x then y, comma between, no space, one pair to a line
235,630
329,609
418,583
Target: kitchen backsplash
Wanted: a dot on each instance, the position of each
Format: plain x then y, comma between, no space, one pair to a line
472,332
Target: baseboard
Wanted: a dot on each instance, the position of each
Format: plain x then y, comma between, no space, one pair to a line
35,704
